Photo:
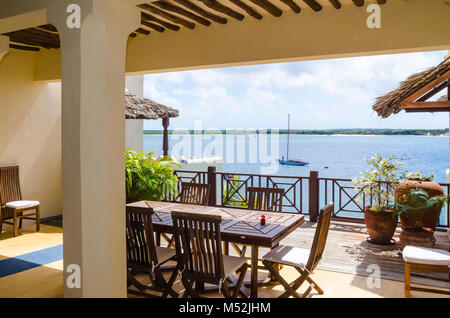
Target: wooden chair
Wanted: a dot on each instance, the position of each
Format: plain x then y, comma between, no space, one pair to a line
303,260
262,199
265,199
191,193
425,260
194,193
143,256
12,204
199,254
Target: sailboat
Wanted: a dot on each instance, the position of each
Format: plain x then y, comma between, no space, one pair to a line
287,161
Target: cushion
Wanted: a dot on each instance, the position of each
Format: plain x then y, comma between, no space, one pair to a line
164,254
424,255
288,255
22,204
232,263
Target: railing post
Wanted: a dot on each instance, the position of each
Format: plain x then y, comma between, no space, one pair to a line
313,195
212,182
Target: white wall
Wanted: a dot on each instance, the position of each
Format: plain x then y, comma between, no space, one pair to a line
30,130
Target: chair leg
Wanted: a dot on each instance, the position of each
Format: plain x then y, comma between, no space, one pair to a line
20,223
226,290
15,229
407,280
289,290
38,218
298,282
167,286
243,271
1,224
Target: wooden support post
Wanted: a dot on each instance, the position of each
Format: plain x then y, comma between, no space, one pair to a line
313,195
212,182
165,122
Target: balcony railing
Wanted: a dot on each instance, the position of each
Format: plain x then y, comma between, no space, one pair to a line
302,194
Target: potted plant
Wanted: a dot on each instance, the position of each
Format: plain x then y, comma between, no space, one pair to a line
149,178
415,181
379,183
418,208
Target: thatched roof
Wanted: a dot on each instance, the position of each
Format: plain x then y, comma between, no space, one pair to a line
143,108
390,103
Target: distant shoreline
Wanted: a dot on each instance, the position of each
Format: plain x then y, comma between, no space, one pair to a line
325,132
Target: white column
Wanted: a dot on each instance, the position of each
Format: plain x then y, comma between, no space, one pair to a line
4,46
93,142
135,127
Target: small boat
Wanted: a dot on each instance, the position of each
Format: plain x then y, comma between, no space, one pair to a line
287,161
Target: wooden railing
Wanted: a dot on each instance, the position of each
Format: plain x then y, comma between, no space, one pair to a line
302,194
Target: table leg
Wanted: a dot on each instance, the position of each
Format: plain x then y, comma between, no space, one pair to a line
254,272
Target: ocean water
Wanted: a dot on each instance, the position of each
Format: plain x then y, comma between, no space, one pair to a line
332,156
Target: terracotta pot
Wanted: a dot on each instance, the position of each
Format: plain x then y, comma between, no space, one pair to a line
430,218
423,238
380,225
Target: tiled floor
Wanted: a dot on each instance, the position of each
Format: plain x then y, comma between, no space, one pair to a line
46,280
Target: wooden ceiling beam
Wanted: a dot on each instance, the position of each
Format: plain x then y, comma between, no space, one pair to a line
28,38
335,3
149,17
434,91
417,94
422,107
294,6
143,31
24,48
358,3
313,4
206,14
269,7
217,6
176,9
250,11
168,16
153,26
48,27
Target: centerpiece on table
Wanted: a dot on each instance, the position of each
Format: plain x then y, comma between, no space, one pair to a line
378,184
149,178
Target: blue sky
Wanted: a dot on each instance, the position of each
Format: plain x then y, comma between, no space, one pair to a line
322,94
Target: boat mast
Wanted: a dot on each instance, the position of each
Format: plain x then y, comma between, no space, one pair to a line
289,132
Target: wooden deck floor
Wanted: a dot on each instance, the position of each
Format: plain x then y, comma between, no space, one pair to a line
348,251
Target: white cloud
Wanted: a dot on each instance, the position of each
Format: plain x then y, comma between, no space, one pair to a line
319,94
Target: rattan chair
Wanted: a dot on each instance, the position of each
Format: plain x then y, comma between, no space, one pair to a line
12,204
143,256
199,253
303,260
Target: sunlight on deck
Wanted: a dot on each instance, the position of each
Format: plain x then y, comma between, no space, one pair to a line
46,281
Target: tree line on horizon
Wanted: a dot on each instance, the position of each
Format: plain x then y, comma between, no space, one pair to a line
344,131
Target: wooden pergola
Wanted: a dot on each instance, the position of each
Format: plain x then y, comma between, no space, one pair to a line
143,108
414,94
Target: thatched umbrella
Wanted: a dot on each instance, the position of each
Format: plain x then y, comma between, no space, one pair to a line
413,92
143,108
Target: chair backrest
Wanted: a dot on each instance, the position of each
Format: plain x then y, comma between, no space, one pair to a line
320,236
9,184
194,193
141,248
265,199
198,246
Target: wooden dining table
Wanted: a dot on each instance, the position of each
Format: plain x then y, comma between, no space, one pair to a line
241,226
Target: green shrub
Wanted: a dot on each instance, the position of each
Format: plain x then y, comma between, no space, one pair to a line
148,178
